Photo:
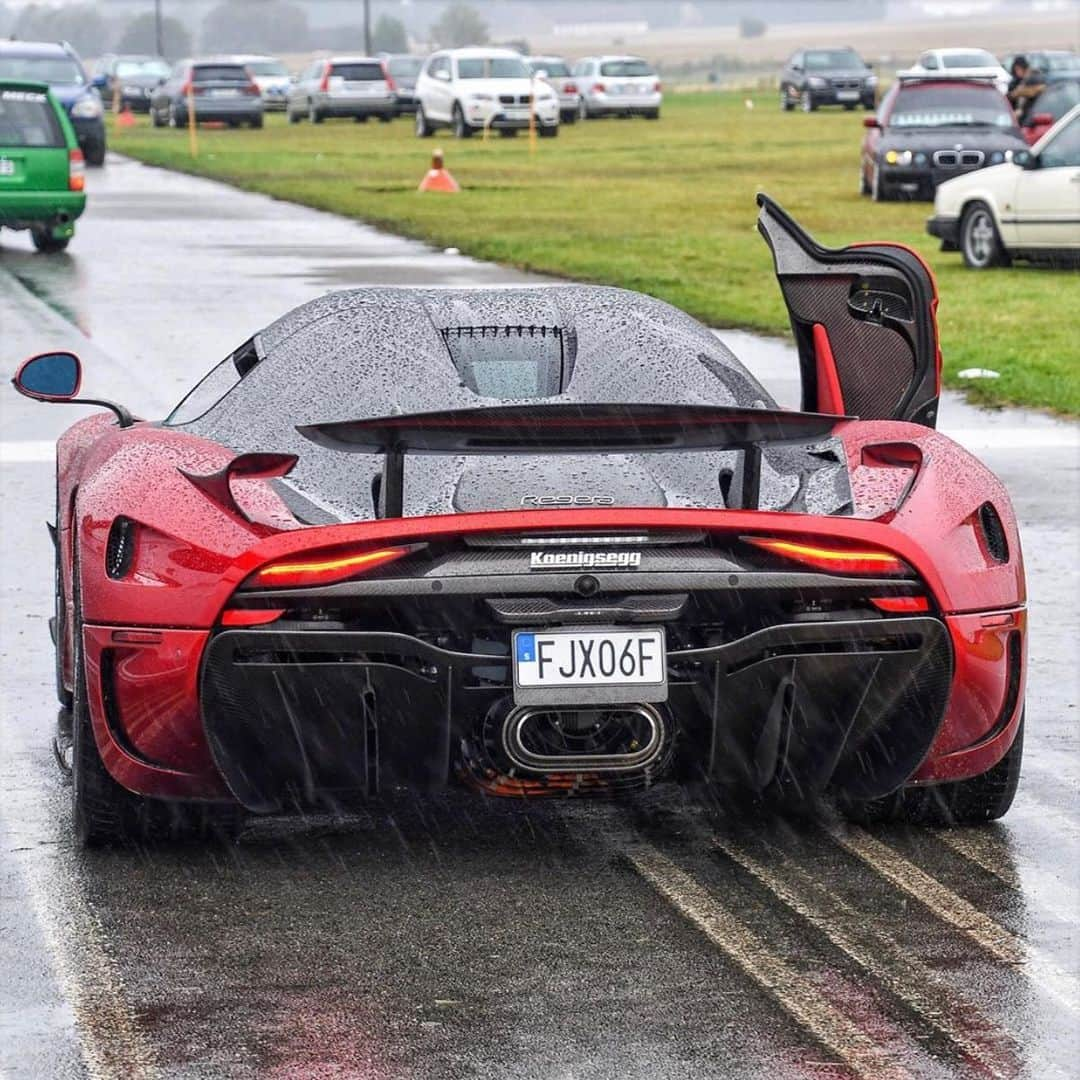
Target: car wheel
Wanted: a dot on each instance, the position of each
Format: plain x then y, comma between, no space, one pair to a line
785,100
807,101
864,187
652,114
257,122
568,116
849,108
548,131
877,189
45,242
360,119
963,802
175,120
461,128
293,118
156,119
314,115
979,241
423,129
95,153
385,118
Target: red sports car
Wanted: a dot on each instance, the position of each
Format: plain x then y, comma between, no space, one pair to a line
540,542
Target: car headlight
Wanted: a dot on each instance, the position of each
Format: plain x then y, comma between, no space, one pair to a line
899,157
815,82
997,157
871,80
86,109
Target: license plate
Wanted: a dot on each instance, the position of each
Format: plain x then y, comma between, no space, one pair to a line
847,95
222,92
7,167
580,667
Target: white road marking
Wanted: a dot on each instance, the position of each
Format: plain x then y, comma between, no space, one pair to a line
852,932
958,912
21,453
823,1021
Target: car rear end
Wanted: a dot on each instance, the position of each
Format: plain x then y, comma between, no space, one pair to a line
41,166
624,86
561,79
402,73
355,87
222,92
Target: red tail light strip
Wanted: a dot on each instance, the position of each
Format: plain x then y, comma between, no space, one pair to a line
251,616
324,569
900,605
837,560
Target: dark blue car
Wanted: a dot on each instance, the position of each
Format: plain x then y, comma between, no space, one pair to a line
58,65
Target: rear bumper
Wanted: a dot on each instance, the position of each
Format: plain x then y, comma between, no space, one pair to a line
832,96
248,108
611,104
38,207
334,105
946,229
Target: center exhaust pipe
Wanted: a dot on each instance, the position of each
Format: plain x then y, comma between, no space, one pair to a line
621,738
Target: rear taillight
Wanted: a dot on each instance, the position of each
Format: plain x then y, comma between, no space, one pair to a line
250,616
252,89
390,84
569,88
598,88
325,84
833,559
658,86
321,568
900,605
76,171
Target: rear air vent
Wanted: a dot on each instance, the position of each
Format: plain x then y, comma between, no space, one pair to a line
993,533
120,549
511,361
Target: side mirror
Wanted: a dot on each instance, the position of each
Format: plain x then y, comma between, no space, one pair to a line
871,122
54,376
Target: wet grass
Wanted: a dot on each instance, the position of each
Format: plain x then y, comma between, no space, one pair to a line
666,208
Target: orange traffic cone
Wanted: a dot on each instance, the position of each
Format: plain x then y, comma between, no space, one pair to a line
437,177
126,118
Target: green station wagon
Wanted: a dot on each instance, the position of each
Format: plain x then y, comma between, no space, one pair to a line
41,165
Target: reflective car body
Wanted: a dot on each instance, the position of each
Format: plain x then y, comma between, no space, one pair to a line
820,76
402,71
129,80
617,86
271,76
219,90
336,567
355,87
561,78
58,66
960,63
1057,98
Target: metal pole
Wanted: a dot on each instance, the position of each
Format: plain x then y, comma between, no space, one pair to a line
157,28
367,27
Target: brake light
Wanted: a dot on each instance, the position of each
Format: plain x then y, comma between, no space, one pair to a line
325,84
598,88
321,569
569,88
658,86
187,89
252,88
76,171
900,605
834,560
390,84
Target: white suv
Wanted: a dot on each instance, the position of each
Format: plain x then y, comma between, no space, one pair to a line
617,86
1023,209
470,89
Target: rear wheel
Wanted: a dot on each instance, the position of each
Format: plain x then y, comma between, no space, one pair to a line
652,114
294,118
785,100
568,116
360,119
44,240
807,101
963,802
549,131
156,118
314,115
979,240
462,130
257,122
423,129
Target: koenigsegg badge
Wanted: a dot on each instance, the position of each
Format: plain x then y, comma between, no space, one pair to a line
584,560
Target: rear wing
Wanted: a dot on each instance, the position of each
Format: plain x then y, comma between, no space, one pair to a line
571,429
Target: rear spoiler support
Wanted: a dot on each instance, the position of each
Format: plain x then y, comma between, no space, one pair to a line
571,429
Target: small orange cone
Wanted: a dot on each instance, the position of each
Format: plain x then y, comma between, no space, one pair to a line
438,177
126,118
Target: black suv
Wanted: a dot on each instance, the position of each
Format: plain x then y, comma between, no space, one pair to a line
814,77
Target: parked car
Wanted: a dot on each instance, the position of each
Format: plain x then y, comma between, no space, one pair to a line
558,74
41,165
58,66
1028,208
617,86
815,77
133,78
342,86
222,90
469,89
928,130
1056,99
401,73
271,76
1053,63
959,64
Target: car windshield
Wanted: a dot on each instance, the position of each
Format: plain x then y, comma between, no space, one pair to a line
358,72
555,68
492,67
833,60
626,69
950,106
28,119
267,67
405,67
127,69
220,73
968,60
54,70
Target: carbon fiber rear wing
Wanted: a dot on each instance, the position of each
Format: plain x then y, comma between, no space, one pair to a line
571,429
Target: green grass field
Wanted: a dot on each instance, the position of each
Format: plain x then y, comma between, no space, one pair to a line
663,207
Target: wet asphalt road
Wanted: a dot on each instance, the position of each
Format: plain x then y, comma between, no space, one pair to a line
455,938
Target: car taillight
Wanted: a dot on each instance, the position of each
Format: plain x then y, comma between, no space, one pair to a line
252,88
569,88
76,171
598,88
900,605
657,86
325,84
321,568
390,84
833,559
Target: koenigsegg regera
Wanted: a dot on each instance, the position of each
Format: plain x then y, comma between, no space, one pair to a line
541,542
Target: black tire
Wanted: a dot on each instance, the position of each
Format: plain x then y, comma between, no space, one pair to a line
568,116
385,118
361,119
807,102
462,130
786,104
878,191
257,122
869,106
293,118
422,128
652,114
980,242
964,802
95,153
176,118
549,131
45,242
314,115
156,119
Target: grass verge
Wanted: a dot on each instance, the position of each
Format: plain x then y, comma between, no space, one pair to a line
664,207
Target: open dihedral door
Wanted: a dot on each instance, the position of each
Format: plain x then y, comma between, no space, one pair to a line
864,319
